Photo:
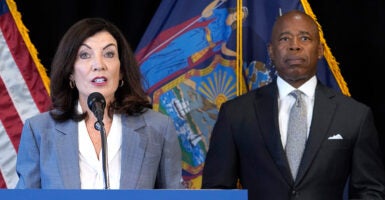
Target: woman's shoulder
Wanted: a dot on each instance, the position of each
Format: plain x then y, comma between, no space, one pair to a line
152,115
149,116
149,122
40,120
40,117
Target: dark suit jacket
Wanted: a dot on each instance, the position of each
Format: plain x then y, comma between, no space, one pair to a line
245,144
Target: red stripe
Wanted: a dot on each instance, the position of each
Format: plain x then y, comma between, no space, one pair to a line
24,61
10,117
142,56
2,182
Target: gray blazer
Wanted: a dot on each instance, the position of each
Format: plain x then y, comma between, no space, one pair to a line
48,155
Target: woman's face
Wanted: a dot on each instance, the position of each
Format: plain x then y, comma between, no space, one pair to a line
97,67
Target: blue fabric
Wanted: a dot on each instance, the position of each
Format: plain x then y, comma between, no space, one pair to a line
188,74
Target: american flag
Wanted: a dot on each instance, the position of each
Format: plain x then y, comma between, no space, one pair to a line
24,87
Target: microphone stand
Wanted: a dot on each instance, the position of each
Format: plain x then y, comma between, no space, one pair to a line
100,127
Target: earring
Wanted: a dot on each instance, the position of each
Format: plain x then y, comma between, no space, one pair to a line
72,84
121,83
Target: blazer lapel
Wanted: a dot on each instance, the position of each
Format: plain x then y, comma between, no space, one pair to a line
323,112
134,145
267,114
66,138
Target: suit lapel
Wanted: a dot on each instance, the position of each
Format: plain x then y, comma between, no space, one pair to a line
66,138
267,114
323,112
134,144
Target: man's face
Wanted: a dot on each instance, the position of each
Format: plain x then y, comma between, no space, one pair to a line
295,48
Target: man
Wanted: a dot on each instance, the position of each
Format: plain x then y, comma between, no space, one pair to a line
252,138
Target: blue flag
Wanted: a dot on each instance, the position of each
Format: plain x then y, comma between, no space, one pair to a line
195,55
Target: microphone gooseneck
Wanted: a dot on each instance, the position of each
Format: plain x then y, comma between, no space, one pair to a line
96,103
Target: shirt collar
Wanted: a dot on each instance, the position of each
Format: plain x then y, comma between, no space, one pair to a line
308,88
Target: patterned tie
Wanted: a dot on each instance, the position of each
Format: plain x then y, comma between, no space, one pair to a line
296,132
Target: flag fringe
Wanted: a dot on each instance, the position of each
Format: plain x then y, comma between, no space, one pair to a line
239,58
333,64
31,48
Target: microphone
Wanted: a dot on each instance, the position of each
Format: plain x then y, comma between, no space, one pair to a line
97,103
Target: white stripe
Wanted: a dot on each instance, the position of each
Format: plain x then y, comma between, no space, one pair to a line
15,84
7,159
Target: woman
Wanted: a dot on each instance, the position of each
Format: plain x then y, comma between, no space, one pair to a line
61,149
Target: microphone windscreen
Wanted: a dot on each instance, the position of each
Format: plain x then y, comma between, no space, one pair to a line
95,97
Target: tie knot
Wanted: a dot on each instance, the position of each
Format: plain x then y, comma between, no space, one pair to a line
297,95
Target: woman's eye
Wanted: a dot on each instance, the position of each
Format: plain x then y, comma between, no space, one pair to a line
84,55
110,54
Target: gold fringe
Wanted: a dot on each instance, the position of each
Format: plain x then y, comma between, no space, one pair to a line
239,57
333,64
31,48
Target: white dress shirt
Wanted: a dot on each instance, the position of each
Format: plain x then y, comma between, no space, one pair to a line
91,168
286,101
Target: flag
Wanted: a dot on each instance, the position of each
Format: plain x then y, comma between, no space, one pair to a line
24,88
195,55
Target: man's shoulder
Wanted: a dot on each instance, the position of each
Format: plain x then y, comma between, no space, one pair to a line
267,91
342,99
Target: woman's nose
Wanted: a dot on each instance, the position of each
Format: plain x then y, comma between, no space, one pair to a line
98,66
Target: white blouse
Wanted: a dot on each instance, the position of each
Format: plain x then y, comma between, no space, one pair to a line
91,168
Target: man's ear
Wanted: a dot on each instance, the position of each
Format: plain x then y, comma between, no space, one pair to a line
320,50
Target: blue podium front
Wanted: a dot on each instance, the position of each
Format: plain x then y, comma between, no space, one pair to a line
14,194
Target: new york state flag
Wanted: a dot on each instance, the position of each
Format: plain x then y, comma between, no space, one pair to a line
195,55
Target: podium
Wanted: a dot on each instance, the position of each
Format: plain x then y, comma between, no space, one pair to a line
204,194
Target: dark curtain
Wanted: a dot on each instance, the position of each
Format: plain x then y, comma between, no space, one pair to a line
354,31
48,20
